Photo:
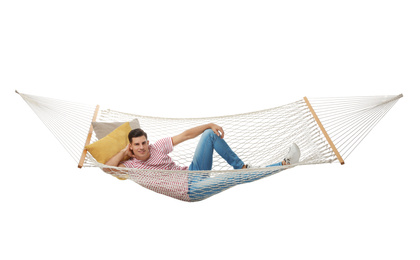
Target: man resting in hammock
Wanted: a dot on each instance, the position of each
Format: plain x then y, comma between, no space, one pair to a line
155,157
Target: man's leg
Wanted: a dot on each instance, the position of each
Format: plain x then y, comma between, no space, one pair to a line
203,156
203,161
205,187
208,187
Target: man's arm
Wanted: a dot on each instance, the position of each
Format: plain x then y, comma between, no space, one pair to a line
196,131
116,159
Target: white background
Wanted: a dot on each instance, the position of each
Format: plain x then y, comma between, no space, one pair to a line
208,58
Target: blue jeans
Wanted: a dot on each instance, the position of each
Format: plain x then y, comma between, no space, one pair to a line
201,186
203,156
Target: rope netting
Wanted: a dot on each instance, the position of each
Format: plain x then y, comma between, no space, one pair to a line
259,138
68,121
348,120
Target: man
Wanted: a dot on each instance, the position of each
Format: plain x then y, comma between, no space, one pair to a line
156,156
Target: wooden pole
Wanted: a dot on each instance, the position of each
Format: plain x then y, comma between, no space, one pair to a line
89,136
330,142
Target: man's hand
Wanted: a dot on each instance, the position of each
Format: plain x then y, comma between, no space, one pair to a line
127,151
218,130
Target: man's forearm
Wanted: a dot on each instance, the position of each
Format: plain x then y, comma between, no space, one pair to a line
196,131
116,159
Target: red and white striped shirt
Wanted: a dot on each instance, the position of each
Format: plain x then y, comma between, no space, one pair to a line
174,184
159,158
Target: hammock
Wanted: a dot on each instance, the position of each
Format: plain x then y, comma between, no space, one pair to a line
327,130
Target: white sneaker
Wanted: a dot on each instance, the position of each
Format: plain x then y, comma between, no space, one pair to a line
293,155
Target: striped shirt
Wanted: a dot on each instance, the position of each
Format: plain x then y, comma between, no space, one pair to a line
172,184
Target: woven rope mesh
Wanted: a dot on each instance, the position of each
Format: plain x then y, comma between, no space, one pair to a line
258,138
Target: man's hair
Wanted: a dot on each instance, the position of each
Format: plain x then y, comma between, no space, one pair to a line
136,133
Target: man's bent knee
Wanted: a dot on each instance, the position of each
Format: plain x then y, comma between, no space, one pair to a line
209,133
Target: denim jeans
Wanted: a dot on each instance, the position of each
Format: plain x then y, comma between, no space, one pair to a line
203,156
201,186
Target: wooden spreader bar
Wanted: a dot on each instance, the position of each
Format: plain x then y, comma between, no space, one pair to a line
330,142
89,136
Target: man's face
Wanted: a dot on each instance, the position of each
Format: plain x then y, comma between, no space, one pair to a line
140,148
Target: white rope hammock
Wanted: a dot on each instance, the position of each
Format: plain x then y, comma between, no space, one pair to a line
326,130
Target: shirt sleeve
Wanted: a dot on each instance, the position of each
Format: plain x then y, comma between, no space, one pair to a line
165,145
128,163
